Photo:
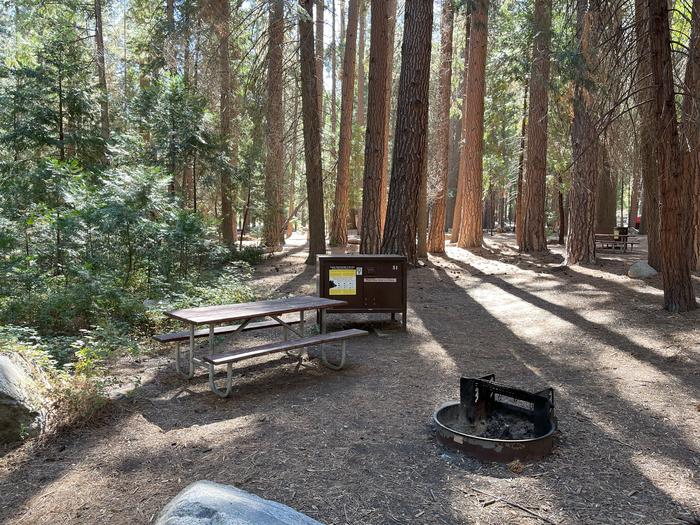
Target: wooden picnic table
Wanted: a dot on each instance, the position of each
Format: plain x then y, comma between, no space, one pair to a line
277,310
612,241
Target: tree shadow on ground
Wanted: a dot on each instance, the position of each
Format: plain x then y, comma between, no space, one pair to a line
591,412
597,331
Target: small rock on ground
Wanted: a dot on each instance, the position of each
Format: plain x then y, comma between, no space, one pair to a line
641,270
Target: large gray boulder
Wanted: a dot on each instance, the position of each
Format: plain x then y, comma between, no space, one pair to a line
22,413
208,503
641,270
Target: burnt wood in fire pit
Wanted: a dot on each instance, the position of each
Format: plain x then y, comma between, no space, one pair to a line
494,422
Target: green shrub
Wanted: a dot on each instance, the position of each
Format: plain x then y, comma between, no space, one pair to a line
70,398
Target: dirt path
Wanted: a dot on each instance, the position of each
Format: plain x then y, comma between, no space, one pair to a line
355,447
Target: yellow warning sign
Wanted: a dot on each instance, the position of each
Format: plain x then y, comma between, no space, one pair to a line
342,281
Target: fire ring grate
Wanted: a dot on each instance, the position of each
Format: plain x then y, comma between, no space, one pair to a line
494,422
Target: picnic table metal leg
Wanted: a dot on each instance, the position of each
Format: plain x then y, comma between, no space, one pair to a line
229,381
333,366
324,358
190,357
211,339
322,319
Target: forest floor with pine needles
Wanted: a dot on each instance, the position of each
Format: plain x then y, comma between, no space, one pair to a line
356,446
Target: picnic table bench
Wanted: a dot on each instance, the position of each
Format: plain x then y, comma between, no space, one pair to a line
243,315
612,242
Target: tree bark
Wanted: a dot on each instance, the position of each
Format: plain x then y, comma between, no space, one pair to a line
342,24
562,211
102,80
384,195
535,175
293,165
273,232
436,239
519,229
456,137
222,25
470,230
459,197
319,58
188,167
606,193
361,64
634,199
580,243
679,295
170,49
422,215
334,74
312,134
690,122
375,136
410,138
339,223
354,216
648,138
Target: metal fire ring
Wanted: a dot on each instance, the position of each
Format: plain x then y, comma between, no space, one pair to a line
490,449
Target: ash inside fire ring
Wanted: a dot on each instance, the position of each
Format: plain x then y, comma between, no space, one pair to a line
498,425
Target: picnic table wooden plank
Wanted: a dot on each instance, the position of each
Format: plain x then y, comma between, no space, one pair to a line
237,355
236,312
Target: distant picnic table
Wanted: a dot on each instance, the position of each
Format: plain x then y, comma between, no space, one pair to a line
246,316
610,241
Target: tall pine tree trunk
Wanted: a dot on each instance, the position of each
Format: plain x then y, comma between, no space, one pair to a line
470,230
319,57
339,224
690,122
291,211
457,211
422,215
519,228
436,239
384,195
634,198
360,122
606,192
273,232
411,135
648,138
535,176
170,47
334,96
562,211
102,79
312,134
580,243
679,295
375,138
222,23
456,138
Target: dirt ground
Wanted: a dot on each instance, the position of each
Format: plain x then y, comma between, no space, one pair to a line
356,446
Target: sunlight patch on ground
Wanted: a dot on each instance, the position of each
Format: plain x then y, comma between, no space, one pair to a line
509,309
432,351
677,481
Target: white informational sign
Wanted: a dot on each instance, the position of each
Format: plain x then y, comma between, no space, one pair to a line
343,281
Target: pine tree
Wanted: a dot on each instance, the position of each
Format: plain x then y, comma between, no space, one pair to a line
436,239
273,235
410,138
